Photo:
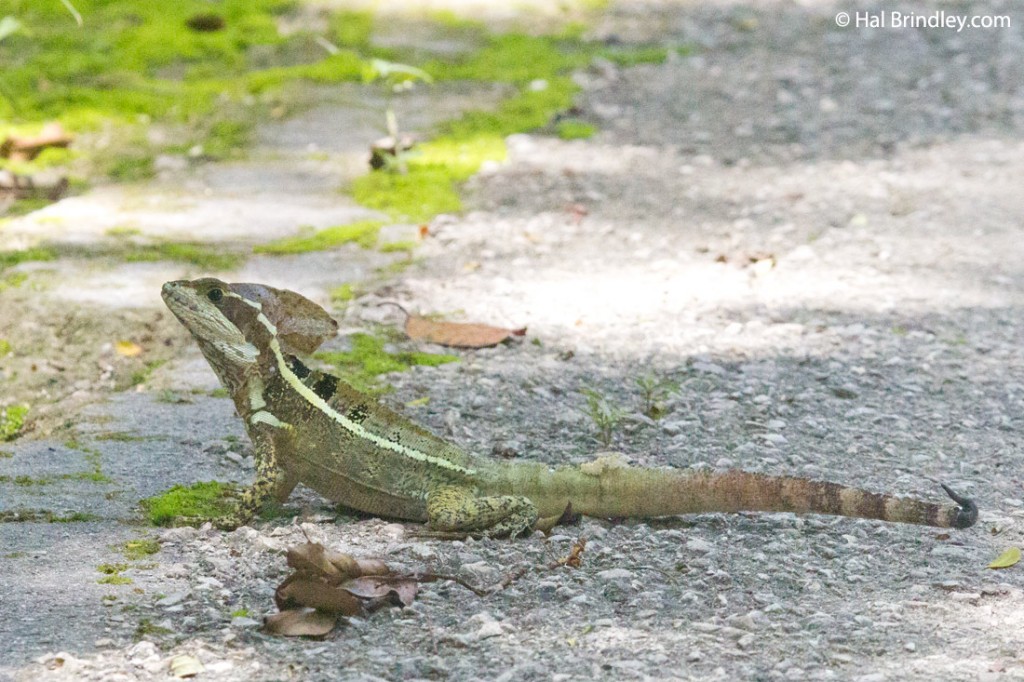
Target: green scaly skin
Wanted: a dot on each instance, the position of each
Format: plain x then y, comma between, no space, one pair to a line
308,426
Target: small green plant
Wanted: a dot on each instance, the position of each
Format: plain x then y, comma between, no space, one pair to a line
396,78
604,414
240,613
141,375
147,627
654,393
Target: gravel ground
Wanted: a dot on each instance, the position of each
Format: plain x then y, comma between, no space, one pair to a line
807,234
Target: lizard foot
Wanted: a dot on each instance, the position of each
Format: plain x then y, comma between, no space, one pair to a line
968,512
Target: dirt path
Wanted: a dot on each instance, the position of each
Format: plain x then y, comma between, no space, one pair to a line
808,234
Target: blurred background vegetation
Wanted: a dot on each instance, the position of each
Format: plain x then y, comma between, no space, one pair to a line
129,80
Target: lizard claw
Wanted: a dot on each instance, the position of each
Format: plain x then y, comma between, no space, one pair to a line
968,512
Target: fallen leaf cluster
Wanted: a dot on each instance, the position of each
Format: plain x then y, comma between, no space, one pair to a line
324,586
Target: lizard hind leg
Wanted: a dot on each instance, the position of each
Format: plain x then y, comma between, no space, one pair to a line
454,509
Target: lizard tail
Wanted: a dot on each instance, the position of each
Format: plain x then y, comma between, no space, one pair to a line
607,488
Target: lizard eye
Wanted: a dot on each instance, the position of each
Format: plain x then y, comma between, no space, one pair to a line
215,295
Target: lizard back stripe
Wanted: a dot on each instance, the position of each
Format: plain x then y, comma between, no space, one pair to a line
318,402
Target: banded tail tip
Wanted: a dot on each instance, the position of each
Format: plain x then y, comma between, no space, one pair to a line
967,514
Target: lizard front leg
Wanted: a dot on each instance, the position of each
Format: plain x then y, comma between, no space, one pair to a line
271,482
454,509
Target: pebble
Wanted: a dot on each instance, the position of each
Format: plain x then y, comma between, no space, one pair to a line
615,575
171,599
699,545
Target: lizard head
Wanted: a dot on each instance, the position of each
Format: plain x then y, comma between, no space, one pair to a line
234,323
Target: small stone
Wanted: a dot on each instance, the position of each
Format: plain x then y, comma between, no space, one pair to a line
143,651
708,368
491,629
171,600
183,534
965,596
422,551
910,646
244,622
693,656
699,545
615,574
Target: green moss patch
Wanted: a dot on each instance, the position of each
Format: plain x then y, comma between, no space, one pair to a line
205,500
364,233
368,359
133,64
12,281
538,67
12,258
12,419
45,516
112,574
134,550
205,256
571,129
342,293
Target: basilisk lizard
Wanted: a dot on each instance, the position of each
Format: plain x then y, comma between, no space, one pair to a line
308,426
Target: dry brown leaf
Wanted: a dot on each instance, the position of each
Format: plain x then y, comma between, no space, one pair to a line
575,558
128,349
300,623
302,591
27,148
186,666
457,334
311,558
371,567
378,587
347,566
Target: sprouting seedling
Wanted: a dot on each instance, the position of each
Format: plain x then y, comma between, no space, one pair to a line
397,78
655,392
606,417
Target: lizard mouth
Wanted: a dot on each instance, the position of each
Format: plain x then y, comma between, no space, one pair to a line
177,298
